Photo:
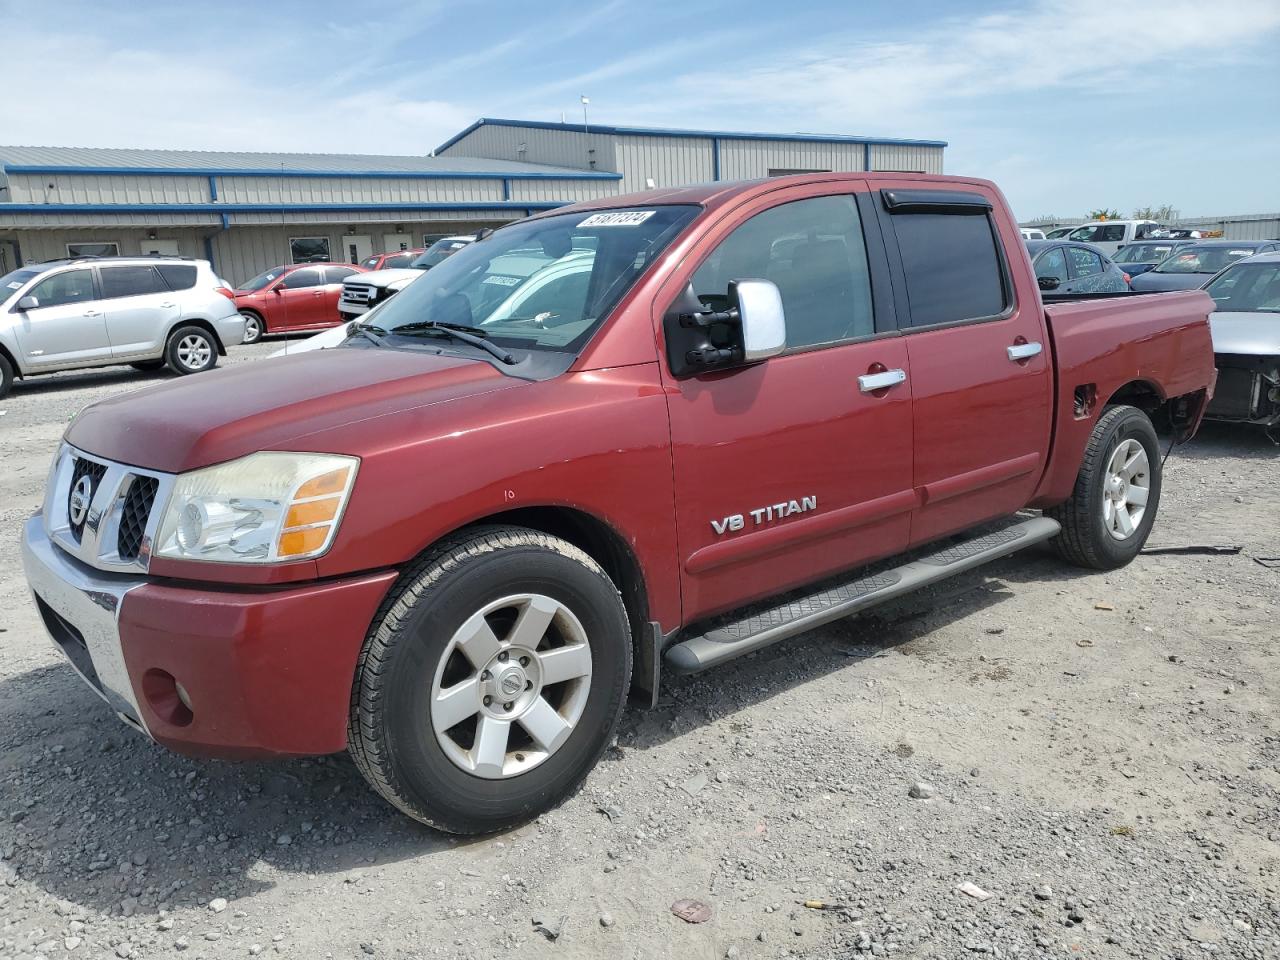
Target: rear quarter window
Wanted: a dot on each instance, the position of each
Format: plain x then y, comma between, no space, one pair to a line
953,268
179,276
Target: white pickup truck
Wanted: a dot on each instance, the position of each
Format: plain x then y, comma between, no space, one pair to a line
362,292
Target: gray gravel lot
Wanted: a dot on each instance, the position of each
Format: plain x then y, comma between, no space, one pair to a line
1098,753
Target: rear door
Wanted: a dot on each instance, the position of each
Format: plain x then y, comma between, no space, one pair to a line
333,277
791,469
69,326
980,366
140,309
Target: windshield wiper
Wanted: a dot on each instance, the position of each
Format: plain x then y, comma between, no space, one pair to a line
369,331
472,335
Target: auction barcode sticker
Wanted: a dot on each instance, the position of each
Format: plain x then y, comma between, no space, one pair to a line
628,218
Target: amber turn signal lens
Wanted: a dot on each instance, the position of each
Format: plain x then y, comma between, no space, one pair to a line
335,481
296,542
313,511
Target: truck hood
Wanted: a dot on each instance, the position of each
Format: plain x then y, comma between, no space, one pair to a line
385,278
224,414
1246,334
1153,282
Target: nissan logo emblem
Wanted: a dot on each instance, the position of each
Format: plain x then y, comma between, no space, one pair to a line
81,496
511,684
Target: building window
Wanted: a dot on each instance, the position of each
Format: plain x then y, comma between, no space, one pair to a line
92,249
309,249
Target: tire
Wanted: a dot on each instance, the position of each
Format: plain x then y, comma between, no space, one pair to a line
6,376
444,777
1093,511
147,365
191,349
255,328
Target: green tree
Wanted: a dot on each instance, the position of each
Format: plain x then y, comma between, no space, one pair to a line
1102,213
1163,214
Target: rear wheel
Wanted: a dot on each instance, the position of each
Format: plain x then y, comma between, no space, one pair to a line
254,327
492,680
191,350
1117,493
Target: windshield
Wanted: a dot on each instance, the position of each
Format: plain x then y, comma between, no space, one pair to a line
542,284
262,279
14,281
1060,232
437,253
1248,288
1144,252
1194,259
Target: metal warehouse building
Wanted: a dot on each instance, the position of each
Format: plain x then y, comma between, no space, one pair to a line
247,212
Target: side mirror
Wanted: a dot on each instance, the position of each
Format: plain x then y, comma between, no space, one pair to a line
28,303
278,289
1048,283
750,327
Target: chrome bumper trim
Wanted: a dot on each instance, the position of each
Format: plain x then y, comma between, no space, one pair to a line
89,601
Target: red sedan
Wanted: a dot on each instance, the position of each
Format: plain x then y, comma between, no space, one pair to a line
395,260
300,296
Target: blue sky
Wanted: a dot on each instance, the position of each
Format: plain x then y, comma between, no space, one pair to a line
1066,105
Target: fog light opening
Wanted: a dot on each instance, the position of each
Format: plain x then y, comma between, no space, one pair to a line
167,698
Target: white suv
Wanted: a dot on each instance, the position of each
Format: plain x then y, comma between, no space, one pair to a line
144,311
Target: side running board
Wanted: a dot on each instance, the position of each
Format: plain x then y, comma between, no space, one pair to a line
733,638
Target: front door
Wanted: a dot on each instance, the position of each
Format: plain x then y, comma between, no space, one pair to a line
140,309
790,469
69,326
981,372
356,248
301,299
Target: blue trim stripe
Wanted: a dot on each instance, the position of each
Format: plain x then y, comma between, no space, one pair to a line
343,174
715,158
506,188
213,187
226,208
701,134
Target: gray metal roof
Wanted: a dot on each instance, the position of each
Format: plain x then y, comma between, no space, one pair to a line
97,159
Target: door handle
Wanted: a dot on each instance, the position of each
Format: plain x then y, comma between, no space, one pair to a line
166,305
1024,351
93,313
871,382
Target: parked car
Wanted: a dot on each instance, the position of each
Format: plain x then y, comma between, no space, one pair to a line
1109,235
291,298
1137,258
395,260
1191,265
1029,234
1066,267
96,312
453,548
371,289
1059,234
1246,341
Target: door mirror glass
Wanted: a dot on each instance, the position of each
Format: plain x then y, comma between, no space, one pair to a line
28,303
760,315
1049,283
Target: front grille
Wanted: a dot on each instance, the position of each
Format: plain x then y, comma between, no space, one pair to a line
134,514
359,294
94,471
1235,396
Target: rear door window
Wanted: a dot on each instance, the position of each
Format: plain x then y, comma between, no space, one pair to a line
1052,264
179,276
1084,263
130,281
70,286
953,268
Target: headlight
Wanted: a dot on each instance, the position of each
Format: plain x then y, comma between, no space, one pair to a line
263,508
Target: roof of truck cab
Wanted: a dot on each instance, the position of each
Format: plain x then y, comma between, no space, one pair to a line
721,192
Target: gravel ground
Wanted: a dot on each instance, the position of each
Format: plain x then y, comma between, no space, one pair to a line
1098,756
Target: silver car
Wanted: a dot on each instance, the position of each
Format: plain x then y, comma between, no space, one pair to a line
1246,341
143,311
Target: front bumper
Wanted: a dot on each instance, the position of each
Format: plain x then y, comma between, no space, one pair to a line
208,671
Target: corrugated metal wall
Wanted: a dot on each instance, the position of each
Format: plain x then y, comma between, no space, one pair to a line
352,190
668,161
533,191
749,159
62,219
37,245
99,188
904,157
561,148
1255,227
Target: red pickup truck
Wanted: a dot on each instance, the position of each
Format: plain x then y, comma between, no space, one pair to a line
655,431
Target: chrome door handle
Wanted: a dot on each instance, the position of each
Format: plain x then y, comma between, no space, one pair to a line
166,305
93,313
1024,351
871,382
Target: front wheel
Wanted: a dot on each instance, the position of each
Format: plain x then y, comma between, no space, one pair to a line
492,680
191,350
1117,493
